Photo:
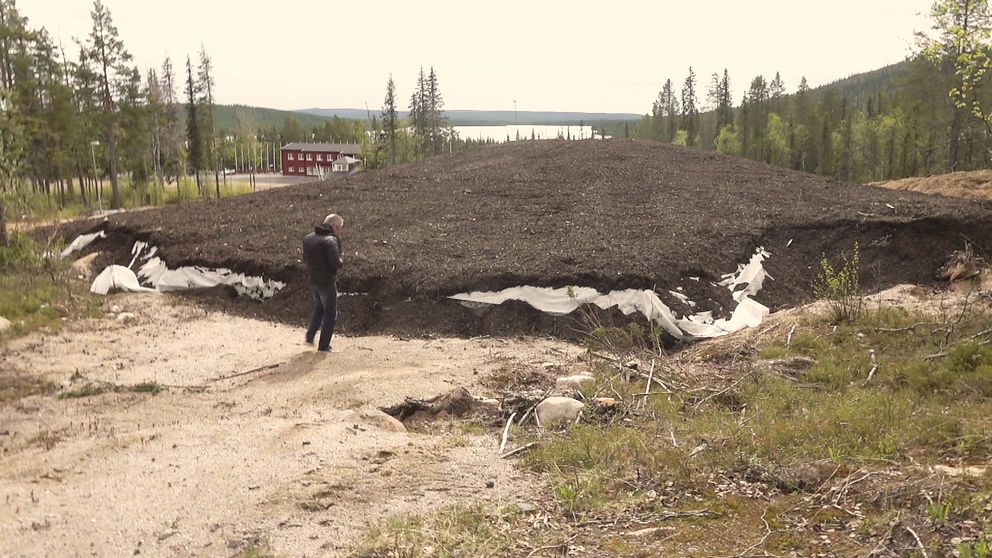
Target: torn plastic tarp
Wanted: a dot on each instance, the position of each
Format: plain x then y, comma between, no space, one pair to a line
156,273
81,241
751,274
117,277
748,313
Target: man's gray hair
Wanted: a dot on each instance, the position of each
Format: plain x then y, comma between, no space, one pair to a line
334,219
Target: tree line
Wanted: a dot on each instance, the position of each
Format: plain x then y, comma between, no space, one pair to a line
898,123
67,124
425,132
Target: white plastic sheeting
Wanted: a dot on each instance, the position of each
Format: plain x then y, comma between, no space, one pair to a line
81,241
161,278
751,275
155,272
117,278
748,313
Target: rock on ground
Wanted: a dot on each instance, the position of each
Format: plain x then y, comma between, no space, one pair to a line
555,411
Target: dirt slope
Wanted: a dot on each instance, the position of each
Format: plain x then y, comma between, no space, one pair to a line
975,185
607,214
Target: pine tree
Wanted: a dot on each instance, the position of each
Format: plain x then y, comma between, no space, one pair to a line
690,115
194,138
669,110
156,109
725,111
205,84
108,52
418,112
755,124
171,127
776,89
436,121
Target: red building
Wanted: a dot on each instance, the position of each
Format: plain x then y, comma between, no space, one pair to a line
318,159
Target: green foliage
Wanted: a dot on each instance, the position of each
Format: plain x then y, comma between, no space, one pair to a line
728,141
939,513
14,387
460,530
20,253
89,390
841,286
35,289
915,410
980,549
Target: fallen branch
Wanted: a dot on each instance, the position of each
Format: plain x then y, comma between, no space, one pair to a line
521,449
691,513
972,338
650,377
918,541
506,432
604,357
722,391
556,547
788,340
899,329
874,367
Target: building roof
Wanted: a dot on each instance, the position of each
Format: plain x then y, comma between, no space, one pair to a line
347,159
346,148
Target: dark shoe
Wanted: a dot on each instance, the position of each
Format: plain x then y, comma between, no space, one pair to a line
328,350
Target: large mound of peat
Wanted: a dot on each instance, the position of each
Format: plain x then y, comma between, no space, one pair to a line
606,214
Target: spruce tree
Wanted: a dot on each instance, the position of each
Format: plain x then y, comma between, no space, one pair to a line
389,119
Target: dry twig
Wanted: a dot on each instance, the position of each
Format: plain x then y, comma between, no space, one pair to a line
521,449
506,432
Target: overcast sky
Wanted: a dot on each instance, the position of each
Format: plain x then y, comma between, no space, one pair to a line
564,55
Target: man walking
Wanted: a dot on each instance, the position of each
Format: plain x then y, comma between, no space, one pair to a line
322,257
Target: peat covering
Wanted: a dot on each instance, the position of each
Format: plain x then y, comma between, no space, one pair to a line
605,214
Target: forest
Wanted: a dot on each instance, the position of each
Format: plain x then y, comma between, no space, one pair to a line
922,116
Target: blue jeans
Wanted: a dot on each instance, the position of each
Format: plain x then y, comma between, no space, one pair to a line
325,314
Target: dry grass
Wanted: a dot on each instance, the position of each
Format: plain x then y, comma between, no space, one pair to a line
781,446
964,184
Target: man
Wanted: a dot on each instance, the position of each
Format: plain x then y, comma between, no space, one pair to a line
322,257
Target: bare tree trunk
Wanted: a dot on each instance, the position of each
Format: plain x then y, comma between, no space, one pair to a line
3,225
954,140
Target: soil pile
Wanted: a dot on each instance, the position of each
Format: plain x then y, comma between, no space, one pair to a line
605,214
964,184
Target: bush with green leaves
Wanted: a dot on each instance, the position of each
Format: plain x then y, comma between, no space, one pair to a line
841,286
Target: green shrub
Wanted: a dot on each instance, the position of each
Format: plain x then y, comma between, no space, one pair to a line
841,286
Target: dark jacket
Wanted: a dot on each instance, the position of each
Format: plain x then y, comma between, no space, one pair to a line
322,256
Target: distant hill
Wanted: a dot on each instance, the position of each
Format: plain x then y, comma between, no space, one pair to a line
226,117
493,117
869,83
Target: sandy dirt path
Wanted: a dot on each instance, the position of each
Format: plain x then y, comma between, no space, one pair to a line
295,454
